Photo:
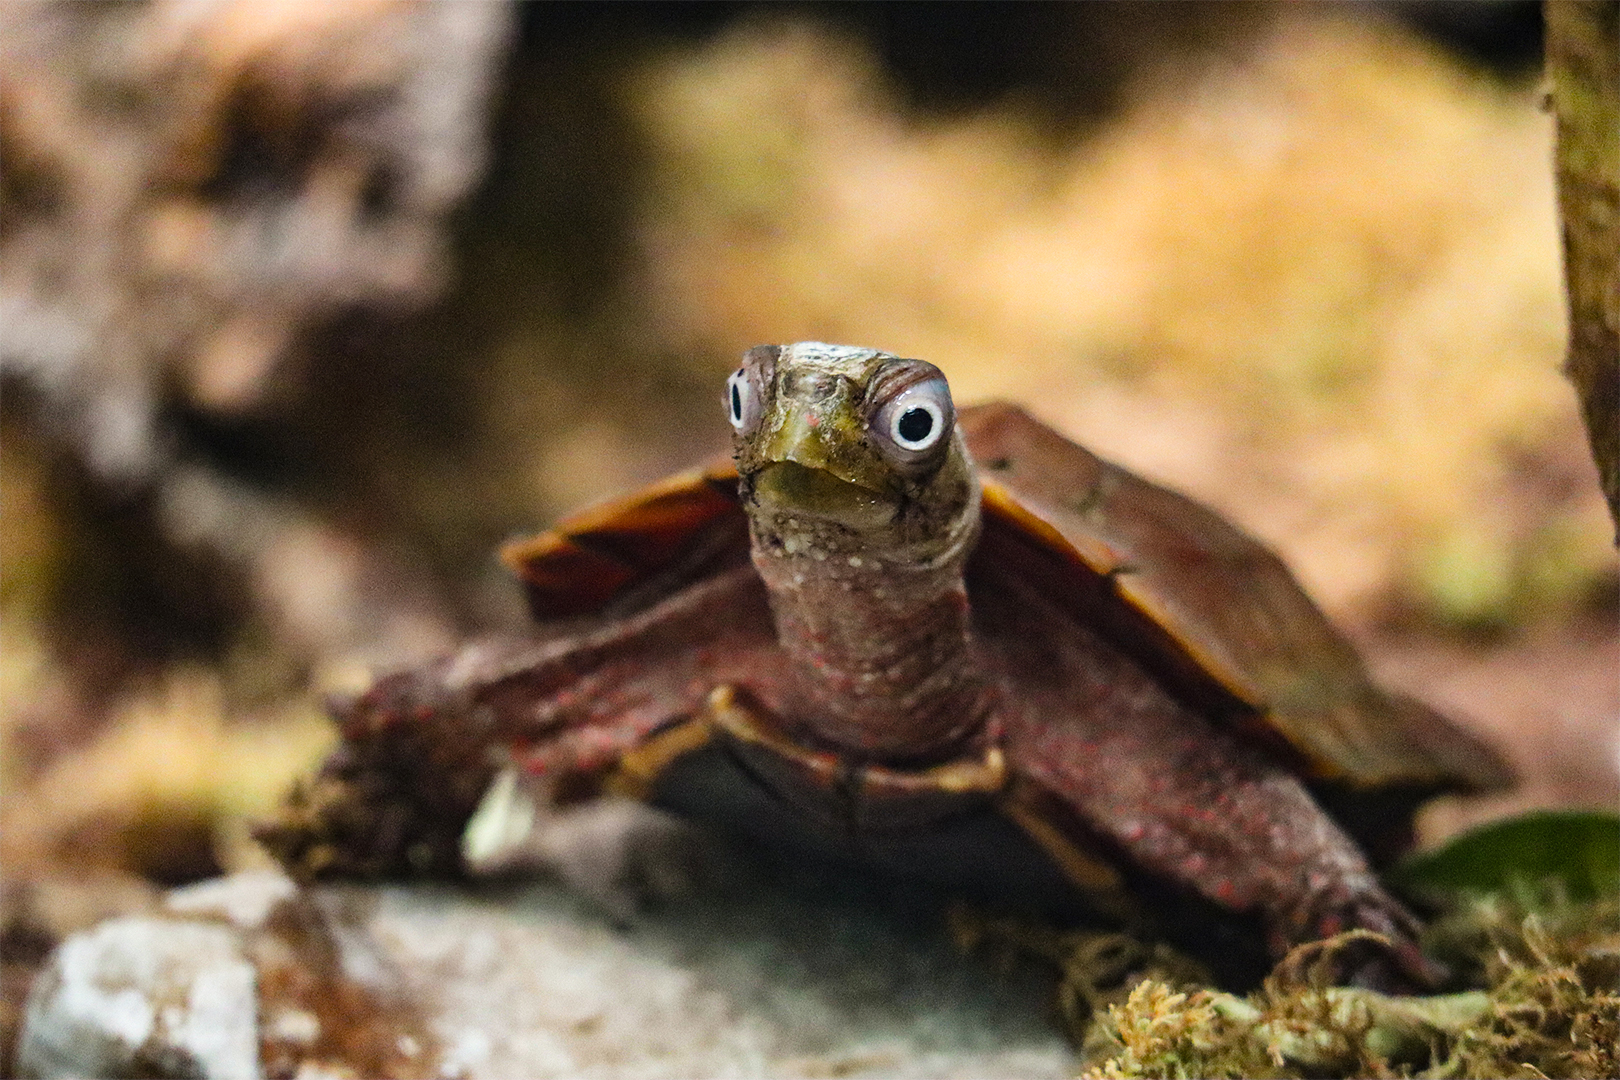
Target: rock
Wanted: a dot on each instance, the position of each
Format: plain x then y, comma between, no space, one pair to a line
143,996
244,899
264,168
197,193
760,981
756,976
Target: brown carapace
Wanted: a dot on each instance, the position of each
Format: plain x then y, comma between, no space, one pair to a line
948,645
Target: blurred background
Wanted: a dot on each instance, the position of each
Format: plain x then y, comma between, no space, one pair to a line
305,307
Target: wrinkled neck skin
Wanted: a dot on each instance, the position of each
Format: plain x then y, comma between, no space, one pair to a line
876,622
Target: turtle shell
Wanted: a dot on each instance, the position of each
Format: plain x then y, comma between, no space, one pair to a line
1211,612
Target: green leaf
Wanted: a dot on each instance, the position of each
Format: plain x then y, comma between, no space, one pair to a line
1578,848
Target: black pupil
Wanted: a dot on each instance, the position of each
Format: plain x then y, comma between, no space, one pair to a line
915,424
736,402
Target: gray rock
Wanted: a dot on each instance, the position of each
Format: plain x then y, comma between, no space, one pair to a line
143,996
754,981
749,977
245,900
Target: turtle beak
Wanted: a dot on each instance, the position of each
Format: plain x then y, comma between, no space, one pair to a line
804,438
820,427
811,464
792,488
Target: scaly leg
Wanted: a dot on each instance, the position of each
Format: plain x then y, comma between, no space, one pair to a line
1184,799
420,748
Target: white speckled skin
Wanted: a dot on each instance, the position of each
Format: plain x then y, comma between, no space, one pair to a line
864,576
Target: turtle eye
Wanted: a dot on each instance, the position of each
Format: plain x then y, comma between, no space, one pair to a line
918,427
917,419
742,401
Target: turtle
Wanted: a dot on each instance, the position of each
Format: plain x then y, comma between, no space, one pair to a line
945,644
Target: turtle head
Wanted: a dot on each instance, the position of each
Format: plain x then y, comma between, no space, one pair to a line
847,451
863,507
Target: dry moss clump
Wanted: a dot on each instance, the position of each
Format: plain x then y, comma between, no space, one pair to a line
1545,1003
1553,975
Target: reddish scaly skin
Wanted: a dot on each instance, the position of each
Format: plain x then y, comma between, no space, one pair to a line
1187,800
420,747
882,659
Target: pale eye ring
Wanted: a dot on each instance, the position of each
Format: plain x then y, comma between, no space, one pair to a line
917,426
911,425
742,401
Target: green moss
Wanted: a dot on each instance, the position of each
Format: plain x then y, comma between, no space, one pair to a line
1552,970
1545,1003
1535,993
1096,969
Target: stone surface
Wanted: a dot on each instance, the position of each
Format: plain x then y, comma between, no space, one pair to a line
755,980
143,996
246,899
196,192
779,973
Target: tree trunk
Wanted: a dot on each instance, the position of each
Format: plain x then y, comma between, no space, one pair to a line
1583,61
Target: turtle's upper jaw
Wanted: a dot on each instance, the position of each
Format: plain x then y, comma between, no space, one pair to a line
811,457
789,488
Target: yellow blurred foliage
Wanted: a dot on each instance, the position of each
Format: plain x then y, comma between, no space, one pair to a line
1316,284
170,761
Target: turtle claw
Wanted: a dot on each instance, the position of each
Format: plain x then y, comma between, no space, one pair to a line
1388,959
1365,940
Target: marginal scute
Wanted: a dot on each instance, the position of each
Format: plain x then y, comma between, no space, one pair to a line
638,769
1210,610
585,562
1092,552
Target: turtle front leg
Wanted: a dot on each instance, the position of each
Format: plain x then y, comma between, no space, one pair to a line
420,748
1191,804
414,756
616,849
